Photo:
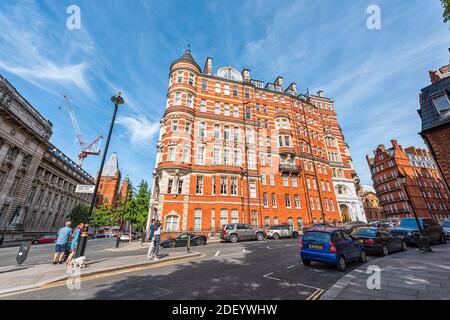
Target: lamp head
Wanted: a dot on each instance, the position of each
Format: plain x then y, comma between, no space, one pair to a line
117,99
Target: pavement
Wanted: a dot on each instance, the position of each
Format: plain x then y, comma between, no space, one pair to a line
23,278
269,269
406,275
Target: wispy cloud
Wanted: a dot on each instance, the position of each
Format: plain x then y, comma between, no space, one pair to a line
27,52
141,130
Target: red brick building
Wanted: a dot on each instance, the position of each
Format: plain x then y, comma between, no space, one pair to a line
405,177
109,187
435,115
232,149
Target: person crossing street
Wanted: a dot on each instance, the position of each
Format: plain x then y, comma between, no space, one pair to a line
156,241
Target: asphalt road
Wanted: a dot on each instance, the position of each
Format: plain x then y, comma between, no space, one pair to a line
43,253
249,270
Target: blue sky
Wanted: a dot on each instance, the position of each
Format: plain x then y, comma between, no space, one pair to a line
374,75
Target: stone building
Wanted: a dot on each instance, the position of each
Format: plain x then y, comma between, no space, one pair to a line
37,181
408,179
435,114
371,203
233,149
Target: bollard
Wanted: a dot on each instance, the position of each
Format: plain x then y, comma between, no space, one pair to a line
189,243
118,239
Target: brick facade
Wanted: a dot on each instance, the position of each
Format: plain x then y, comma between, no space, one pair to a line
435,115
408,177
109,187
233,150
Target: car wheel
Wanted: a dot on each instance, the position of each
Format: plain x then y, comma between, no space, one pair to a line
404,246
172,244
341,264
199,242
384,251
306,262
276,236
363,256
295,235
443,239
259,236
233,238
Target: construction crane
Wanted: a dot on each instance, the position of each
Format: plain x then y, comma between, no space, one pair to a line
86,148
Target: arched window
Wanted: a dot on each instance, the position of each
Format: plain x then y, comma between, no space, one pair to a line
275,220
267,221
299,224
172,223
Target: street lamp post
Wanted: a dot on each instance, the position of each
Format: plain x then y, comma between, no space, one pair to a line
117,100
423,243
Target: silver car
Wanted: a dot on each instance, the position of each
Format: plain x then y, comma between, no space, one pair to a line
235,232
277,232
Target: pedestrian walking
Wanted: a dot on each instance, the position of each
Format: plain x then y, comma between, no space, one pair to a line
156,241
150,238
76,235
61,243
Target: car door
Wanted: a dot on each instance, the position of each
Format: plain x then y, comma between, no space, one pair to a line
389,240
242,231
182,240
352,245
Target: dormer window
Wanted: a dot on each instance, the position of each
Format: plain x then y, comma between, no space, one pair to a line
442,103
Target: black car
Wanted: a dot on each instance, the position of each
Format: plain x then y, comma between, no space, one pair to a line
379,240
181,240
410,232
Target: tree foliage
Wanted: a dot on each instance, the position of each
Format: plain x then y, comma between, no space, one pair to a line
136,210
106,216
446,6
79,214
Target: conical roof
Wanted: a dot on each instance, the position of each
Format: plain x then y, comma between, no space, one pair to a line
111,168
187,56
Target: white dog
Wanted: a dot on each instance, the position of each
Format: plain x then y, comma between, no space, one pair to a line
79,262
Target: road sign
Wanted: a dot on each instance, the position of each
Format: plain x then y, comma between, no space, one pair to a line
23,252
84,188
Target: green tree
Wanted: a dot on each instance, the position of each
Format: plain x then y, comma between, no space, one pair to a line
136,210
446,6
105,216
79,214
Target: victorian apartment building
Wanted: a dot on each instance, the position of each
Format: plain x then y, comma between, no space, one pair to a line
37,181
435,115
232,149
406,180
371,203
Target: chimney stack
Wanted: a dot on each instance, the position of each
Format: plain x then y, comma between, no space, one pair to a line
246,75
208,66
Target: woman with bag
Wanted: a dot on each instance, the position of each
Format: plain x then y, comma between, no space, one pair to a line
74,244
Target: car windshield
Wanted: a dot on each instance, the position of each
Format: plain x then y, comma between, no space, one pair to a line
317,236
446,224
409,223
364,232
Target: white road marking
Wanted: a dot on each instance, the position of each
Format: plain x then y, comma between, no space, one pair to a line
291,266
306,286
245,251
269,277
217,253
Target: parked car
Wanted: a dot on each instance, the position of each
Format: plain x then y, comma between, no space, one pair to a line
181,240
351,225
393,222
281,231
379,240
380,224
126,236
445,223
49,238
332,246
318,225
235,232
410,232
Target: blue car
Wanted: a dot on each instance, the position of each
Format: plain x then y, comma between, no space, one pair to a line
332,246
